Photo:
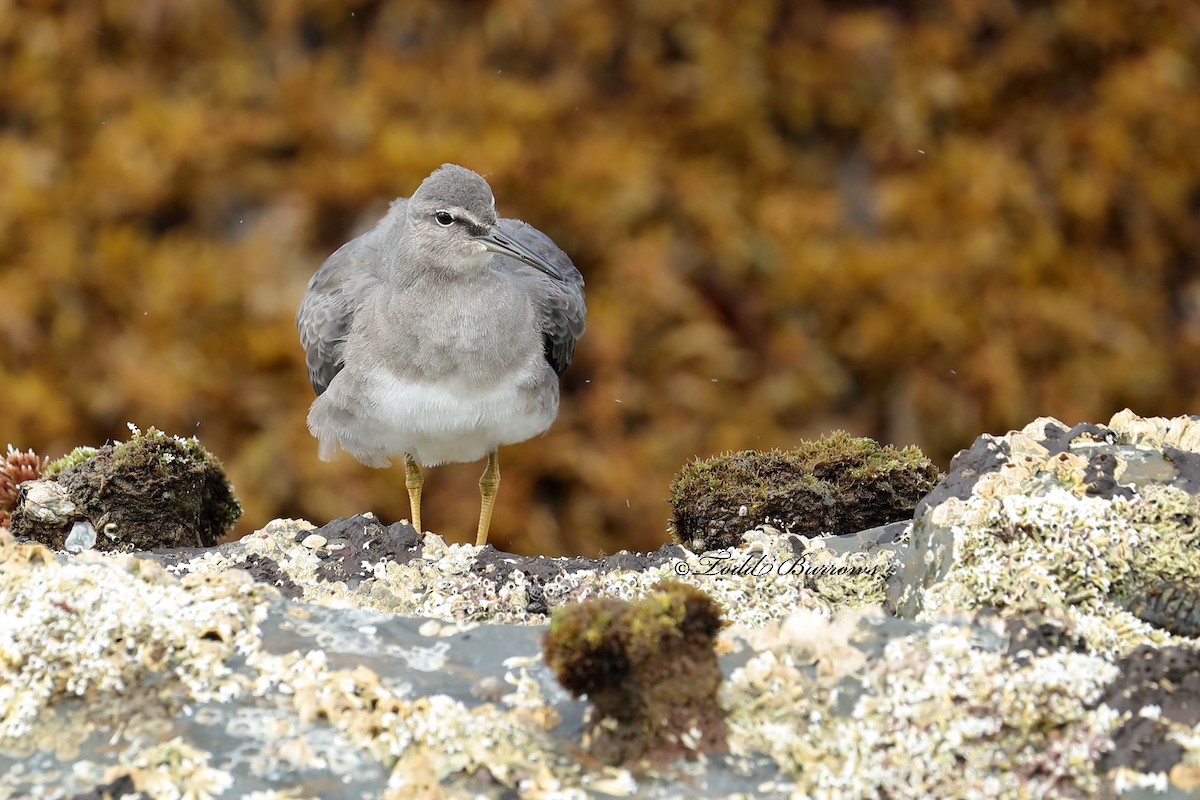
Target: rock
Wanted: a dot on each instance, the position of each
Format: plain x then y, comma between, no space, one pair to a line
1160,689
314,541
150,492
837,484
1089,520
81,537
47,502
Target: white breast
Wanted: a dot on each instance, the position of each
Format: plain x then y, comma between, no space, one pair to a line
456,421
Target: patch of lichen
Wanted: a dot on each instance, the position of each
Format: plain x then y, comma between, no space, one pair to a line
148,492
836,484
649,669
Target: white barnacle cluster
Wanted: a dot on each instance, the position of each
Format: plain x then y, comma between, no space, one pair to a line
100,626
176,768
925,718
1059,550
1180,432
443,737
528,702
763,580
1032,553
424,739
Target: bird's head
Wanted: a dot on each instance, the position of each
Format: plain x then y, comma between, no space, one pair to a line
452,216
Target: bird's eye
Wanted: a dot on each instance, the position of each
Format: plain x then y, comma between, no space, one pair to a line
444,219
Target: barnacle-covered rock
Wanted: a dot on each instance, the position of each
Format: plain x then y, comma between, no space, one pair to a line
864,706
151,491
837,484
121,677
1063,553
1159,688
111,630
1085,519
234,686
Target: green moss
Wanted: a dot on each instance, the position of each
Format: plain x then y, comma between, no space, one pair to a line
835,484
149,492
584,647
166,448
648,667
76,456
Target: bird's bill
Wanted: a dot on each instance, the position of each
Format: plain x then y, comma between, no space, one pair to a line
497,242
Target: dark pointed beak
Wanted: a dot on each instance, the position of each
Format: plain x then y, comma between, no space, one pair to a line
497,242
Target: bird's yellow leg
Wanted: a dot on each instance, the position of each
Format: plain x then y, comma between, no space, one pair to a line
489,482
415,481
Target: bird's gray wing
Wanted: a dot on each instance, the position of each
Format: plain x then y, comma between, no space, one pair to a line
559,302
325,315
327,310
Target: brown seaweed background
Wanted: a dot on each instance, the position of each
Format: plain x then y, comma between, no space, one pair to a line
917,222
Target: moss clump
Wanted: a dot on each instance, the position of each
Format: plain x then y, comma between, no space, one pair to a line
649,669
71,459
835,484
150,492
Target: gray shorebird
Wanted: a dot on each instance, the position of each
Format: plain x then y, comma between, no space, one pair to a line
440,335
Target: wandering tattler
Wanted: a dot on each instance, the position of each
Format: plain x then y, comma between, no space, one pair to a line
440,334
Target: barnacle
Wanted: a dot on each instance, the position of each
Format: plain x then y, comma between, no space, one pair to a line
15,468
1172,605
1114,542
924,715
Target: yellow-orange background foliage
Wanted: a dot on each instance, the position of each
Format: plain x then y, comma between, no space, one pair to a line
917,221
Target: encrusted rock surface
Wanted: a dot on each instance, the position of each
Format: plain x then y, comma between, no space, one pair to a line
1044,649
1097,521
149,492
